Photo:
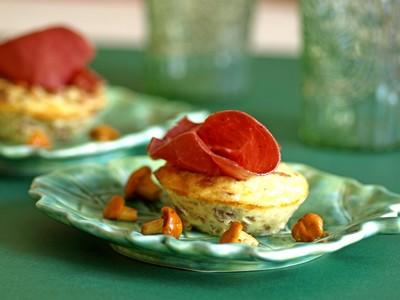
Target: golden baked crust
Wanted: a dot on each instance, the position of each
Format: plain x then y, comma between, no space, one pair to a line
62,114
262,203
278,188
69,103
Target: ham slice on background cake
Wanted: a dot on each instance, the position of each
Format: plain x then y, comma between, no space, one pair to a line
49,58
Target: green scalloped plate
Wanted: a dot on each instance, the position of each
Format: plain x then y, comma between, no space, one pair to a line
144,116
351,211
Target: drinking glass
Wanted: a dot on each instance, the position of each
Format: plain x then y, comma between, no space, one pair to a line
351,73
196,49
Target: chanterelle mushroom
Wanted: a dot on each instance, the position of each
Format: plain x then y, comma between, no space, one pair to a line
308,228
235,234
140,183
39,139
169,224
116,210
104,133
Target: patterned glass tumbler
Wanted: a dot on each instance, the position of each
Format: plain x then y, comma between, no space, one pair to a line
196,50
351,73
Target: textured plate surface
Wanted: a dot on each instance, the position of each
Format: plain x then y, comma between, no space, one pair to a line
351,211
144,116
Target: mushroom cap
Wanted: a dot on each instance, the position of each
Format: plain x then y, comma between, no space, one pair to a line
232,234
39,139
134,180
114,207
104,133
308,228
172,222
147,189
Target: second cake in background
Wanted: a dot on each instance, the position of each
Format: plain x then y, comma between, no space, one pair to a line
46,86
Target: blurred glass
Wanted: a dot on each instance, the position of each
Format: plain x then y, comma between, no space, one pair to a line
197,48
351,73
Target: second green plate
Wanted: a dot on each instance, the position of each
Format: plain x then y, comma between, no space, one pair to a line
137,116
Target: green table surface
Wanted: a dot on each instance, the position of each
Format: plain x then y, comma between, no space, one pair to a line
43,259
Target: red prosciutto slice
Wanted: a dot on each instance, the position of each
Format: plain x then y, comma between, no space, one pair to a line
85,79
230,143
48,58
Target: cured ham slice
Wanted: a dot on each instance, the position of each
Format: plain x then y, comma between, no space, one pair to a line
230,143
86,79
48,58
